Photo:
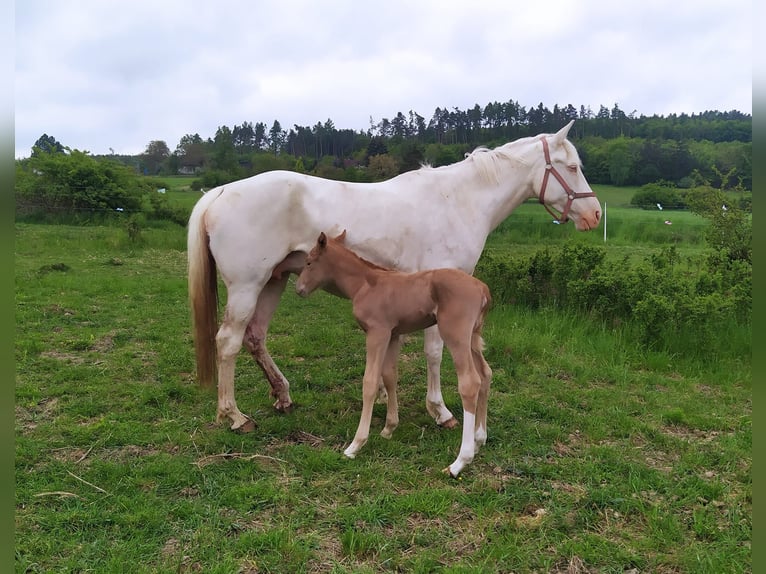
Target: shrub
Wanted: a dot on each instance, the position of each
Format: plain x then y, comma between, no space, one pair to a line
669,303
77,188
653,193
731,226
76,181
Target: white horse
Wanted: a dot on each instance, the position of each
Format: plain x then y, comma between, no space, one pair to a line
257,231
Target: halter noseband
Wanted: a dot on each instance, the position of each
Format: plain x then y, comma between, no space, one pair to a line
571,194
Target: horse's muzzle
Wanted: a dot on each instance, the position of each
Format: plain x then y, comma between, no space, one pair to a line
588,221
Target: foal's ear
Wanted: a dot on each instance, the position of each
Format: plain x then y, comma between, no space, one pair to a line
342,237
322,241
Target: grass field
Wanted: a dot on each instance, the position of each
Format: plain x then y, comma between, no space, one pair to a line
601,457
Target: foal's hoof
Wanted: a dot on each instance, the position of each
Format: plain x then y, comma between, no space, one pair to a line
283,407
450,424
247,427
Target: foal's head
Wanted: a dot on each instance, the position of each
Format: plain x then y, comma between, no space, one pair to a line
316,272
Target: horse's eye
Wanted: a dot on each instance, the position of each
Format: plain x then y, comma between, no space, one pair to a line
572,168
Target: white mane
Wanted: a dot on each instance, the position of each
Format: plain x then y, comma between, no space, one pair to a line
488,161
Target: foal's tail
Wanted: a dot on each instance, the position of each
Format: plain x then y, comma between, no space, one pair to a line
477,341
203,293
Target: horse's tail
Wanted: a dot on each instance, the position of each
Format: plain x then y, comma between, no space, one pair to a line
203,294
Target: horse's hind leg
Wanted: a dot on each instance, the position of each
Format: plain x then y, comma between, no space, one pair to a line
255,341
239,308
390,379
433,346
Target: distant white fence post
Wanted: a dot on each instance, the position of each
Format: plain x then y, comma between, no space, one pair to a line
604,221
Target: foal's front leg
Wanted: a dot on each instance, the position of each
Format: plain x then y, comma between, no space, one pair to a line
377,343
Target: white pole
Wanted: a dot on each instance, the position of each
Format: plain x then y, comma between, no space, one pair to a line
604,221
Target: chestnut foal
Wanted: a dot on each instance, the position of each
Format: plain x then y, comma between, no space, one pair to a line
387,304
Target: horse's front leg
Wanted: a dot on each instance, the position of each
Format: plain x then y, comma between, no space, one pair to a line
377,343
255,341
433,347
390,380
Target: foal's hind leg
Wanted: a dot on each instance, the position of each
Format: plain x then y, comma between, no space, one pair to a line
433,346
255,341
239,308
390,379
469,386
485,374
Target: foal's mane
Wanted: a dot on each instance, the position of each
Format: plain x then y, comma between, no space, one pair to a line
367,263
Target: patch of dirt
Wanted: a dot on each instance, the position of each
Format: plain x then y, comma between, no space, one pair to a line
576,565
532,517
27,417
301,437
694,435
570,447
104,344
63,267
59,310
72,358
173,552
577,490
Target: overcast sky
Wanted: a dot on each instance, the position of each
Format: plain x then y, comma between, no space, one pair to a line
102,75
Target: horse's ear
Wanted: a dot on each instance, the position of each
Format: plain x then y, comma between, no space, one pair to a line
322,241
561,135
342,237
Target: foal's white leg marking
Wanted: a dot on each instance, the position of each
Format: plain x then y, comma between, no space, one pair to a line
433,347
377,344
467,447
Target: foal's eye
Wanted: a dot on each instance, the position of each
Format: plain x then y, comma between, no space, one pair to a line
572,168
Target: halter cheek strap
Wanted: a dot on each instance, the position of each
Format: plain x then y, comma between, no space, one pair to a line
571,194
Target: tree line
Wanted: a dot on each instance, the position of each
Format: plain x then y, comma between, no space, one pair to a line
616,148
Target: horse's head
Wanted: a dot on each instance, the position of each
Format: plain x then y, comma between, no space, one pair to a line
316,273
562,185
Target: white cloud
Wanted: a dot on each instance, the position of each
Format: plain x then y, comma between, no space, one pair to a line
98,74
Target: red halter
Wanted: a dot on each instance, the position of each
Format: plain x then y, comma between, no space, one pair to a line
571,194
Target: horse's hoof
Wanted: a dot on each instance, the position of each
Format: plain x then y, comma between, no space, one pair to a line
448,472
284,407
247,427
450,424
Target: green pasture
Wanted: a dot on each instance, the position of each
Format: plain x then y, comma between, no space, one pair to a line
602,456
